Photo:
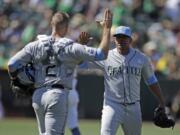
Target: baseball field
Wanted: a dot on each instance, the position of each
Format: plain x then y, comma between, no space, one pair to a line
23,126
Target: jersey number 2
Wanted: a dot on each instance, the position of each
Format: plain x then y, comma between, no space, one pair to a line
50,71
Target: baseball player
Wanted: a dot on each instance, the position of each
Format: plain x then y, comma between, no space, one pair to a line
122,75
73,100
54,58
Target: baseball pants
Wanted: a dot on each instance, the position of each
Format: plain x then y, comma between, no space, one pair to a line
50,106
116,114
72,118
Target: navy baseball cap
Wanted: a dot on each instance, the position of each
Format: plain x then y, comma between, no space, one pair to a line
123,30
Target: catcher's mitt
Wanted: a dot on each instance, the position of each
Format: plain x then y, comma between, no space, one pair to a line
21,90
22,81
161,119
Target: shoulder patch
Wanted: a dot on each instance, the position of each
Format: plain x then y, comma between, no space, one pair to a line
90,50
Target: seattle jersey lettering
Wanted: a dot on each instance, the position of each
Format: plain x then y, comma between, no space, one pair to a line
114,71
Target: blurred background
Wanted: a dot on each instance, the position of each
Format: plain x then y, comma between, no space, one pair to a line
156,27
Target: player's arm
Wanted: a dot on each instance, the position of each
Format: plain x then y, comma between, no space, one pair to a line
19,60
155,88
106,25
90,53
152,82
160,118
95,54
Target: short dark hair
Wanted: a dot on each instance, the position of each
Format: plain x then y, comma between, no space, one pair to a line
60,18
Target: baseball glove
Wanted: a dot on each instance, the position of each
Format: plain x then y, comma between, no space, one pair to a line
21,90
22,81
161,119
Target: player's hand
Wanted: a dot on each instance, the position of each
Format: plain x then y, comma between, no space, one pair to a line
84,38
107,19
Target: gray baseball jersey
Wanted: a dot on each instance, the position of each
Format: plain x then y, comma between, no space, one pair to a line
122,75
54,61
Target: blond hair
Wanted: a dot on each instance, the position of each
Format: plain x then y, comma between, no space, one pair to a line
60,19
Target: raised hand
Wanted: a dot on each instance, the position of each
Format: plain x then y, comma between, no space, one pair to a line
84,38
107,19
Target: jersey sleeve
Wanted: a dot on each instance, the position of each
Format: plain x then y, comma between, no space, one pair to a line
84,52
21,58
147,70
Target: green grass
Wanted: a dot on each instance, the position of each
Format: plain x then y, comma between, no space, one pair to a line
19,126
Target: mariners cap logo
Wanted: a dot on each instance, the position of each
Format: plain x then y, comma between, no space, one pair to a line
123,30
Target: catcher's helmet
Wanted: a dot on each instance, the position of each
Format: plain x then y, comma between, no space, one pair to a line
26,75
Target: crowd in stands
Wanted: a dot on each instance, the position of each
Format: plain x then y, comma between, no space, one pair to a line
155,23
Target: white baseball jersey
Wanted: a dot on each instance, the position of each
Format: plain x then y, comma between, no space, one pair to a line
122,75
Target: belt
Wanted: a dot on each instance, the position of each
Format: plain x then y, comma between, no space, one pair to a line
60,86
125,104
